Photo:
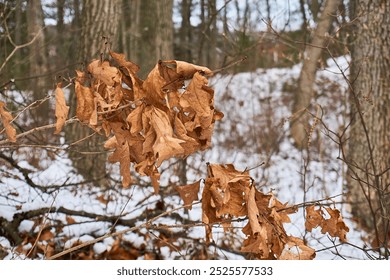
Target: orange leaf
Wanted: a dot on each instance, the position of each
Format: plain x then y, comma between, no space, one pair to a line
189,193
61,109
6,118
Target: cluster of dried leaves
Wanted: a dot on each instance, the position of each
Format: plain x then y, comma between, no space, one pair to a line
147,121
229,194
152,120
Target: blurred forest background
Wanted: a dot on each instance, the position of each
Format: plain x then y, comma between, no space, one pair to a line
44,42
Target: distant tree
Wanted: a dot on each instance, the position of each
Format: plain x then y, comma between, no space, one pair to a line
38,62
304,94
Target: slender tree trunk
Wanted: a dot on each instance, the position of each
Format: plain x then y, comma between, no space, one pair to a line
369,157
60,42
207,47
38,63
212,56
185,32
164,34
18,31
100,21
135,31
304,95
99,24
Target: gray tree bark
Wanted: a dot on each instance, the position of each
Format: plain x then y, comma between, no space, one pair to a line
99,24
368,153
300,125
38,53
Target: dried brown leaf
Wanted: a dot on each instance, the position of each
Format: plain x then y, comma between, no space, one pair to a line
6,119
123,62
135,119
253,213
255,244
335,225
46,235
187,70
122,153
296,250
104,72
189,193
85,102
314,217
62,110
70,220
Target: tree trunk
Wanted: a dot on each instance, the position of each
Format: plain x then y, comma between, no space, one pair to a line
135,31
368,154
303,97
185,34
151,36
207,47
38,63
60,42
100,21
99,24
164,34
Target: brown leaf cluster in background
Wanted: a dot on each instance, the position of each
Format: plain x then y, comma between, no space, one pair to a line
6,119
229,194
334,225
146,121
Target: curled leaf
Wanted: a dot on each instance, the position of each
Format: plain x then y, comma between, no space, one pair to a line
62,110
6,119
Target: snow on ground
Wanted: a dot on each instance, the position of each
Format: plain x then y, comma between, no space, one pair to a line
252,135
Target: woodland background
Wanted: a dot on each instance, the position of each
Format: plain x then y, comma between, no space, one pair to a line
304,90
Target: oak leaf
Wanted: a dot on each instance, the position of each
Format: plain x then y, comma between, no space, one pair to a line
104,72
335,225
314,217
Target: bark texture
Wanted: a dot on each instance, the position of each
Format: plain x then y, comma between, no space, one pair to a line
99,24
369,145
